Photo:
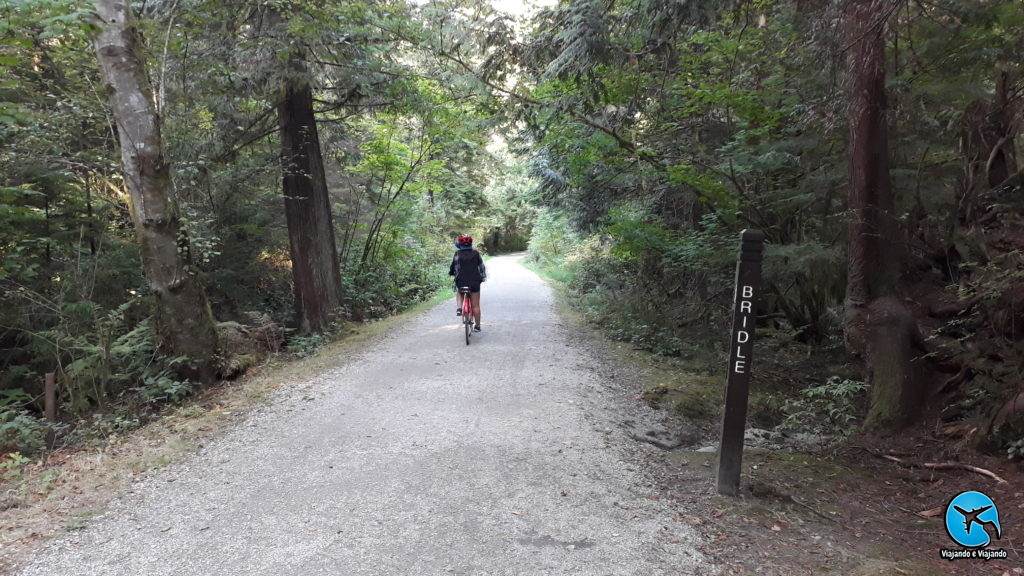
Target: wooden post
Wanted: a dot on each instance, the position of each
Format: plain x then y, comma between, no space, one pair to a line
741,345
50,397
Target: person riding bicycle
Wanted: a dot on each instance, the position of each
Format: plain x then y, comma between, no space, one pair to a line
468,268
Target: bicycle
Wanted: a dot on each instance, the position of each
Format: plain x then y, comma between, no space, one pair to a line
467,312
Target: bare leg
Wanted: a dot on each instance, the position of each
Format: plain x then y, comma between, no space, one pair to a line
474,299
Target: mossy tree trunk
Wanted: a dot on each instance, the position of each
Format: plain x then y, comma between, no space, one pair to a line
897,371
183,317
877,326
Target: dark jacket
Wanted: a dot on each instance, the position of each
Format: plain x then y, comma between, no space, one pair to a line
468,268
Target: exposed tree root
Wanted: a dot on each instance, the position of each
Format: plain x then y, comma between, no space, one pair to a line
942,466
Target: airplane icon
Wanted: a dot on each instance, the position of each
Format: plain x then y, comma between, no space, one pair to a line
972,518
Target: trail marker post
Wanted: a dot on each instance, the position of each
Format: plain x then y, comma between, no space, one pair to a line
741,345
50,397
50,405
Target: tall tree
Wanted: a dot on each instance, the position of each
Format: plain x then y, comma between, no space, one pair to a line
878,326
183,317
314,255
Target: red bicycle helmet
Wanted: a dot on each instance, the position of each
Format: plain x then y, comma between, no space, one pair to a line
465,240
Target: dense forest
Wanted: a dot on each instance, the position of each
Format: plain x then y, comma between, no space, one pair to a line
187,186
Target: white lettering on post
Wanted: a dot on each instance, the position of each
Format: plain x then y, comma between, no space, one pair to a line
746,308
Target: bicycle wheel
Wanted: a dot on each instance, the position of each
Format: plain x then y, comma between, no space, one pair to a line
467,313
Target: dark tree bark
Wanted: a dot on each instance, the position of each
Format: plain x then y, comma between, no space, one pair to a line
989,130
877,326
182,313
870,191
1002,161
307,207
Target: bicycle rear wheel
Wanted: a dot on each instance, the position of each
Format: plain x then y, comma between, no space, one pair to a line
467,316
467,313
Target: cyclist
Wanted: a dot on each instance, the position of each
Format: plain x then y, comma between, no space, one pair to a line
468,268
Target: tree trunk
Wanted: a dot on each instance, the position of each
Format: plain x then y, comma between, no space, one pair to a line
870,272
183,318
881,331
307,206
897,368
989,130
1002,161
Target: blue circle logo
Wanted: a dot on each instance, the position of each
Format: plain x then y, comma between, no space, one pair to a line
972,520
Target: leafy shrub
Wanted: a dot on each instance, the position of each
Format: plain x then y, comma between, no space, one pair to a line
405,272
14,399
11,466
1016,450
163,387
99,429
983,338
105,356
643,283
551,239
303,346
807,283
831,408
20,431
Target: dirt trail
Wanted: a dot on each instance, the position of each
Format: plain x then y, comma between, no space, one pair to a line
420,456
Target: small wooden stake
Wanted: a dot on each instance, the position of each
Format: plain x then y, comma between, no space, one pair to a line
50,397
737,387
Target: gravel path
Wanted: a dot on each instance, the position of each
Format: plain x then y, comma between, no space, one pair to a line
420,456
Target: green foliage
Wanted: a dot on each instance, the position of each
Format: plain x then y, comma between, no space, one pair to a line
102,356
510,220
977,338
708,248
163,387
14,398
644,284
832,408
405,275
305,346
551,239
100,427
20,431
685,130
806,283
1016,450
635,233
11,466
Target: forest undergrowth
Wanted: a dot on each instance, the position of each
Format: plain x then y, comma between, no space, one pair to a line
819,493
